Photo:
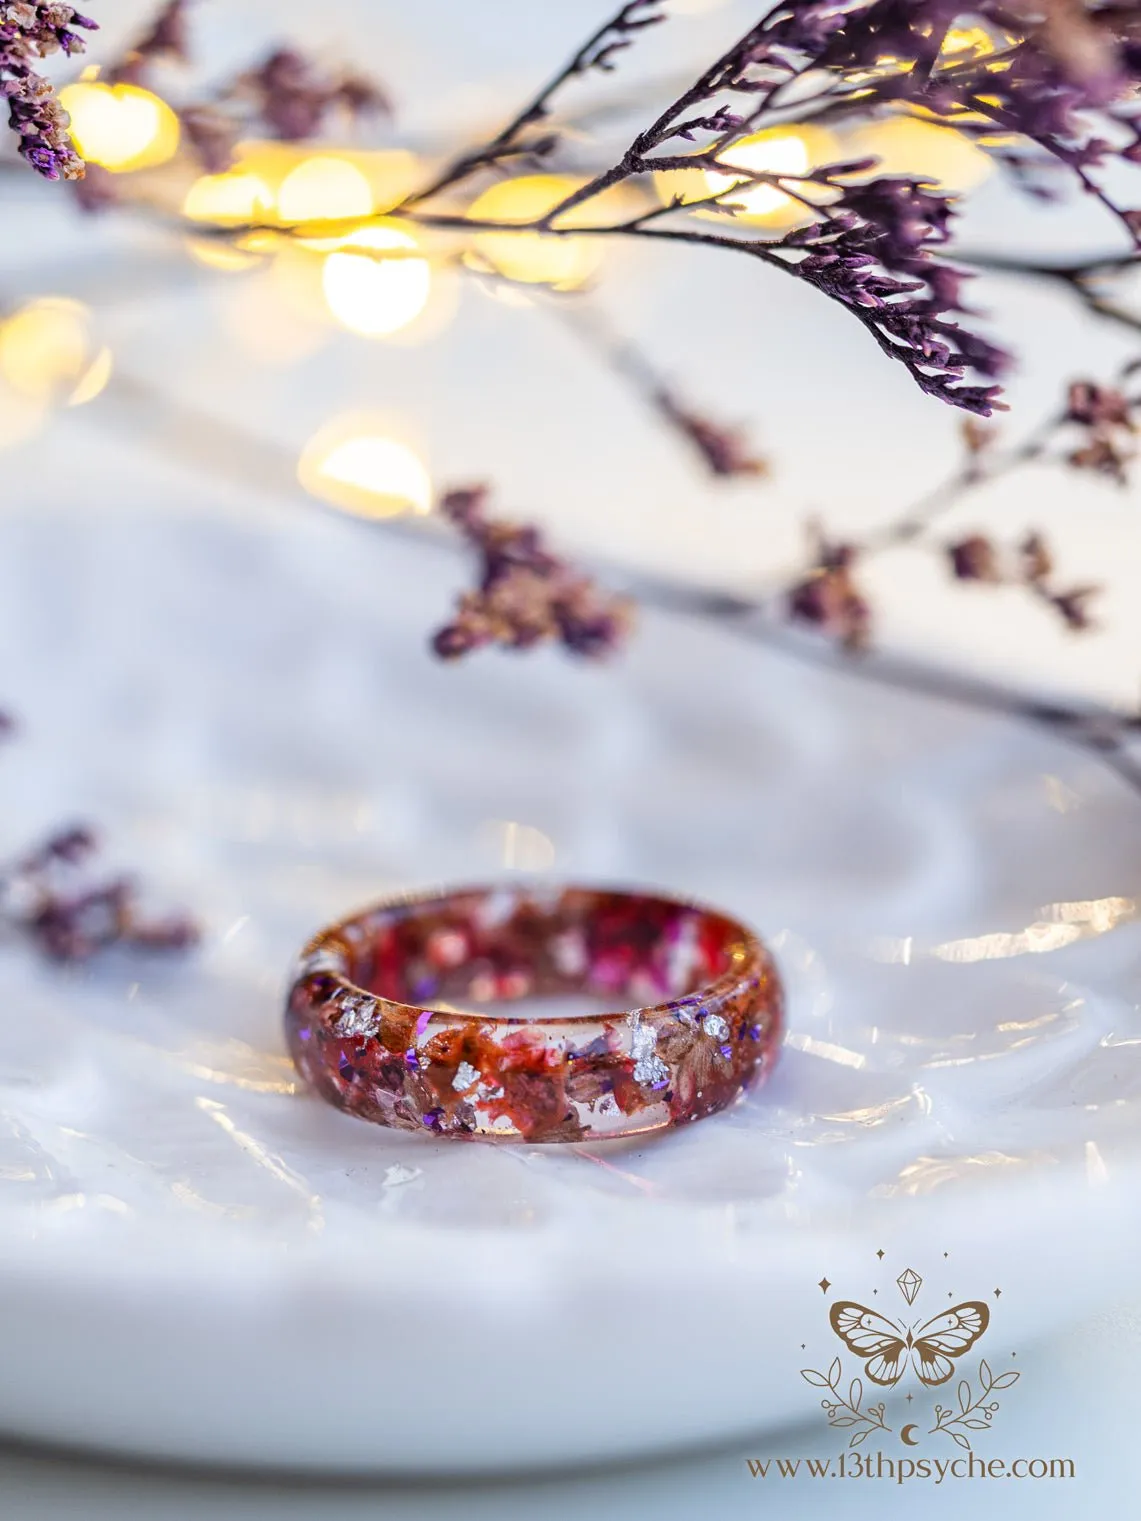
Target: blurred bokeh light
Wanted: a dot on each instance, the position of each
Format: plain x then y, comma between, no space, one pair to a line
323,187
354,464
936,154
534,258
120,127
49,355
779,150
377,283
229,199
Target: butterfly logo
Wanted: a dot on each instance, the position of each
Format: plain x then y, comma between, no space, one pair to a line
886,1347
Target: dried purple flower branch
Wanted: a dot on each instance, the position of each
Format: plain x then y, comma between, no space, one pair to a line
723,448
526,595
978,558
29,32
285,97
1050,74
45,896
1105,419
72,920
598,53
828,597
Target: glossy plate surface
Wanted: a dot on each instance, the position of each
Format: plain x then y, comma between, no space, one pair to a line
199,1260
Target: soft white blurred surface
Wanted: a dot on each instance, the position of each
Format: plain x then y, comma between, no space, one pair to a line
149,550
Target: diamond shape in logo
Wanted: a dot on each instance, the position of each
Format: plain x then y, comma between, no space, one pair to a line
909,1284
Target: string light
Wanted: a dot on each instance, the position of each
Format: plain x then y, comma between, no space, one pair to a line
46,347
778,150
120,127
323,188
228,199
533,258
356,466
380,289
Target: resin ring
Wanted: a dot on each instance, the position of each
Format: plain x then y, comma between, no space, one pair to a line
362,1035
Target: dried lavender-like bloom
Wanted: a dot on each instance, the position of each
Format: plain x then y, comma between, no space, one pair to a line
526,595
828,598
1057,73
29,32
1057,78
1037,567
70,919
213,134
43,894
977,437
974,559
1105,417
725,450
292,98
875,253
978,558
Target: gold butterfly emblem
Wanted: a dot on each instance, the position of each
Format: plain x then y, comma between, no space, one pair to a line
886,1347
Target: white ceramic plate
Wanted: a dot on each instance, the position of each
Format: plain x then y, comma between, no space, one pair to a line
199,1261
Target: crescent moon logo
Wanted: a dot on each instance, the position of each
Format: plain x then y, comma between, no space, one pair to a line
910,1440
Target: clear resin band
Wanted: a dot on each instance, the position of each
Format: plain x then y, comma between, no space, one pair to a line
706,1026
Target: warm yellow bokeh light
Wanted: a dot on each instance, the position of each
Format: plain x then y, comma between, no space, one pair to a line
904,145
778,150
323,188
120,127
45,348
531,257
228,199
219,255
93,380
354,465
382,288
390,173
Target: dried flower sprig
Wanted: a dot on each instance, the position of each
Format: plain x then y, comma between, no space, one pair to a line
1104,417
978,558
829,598
875,246
29,32
724,449
70,919
1107,420
598,53
46,895
526,595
